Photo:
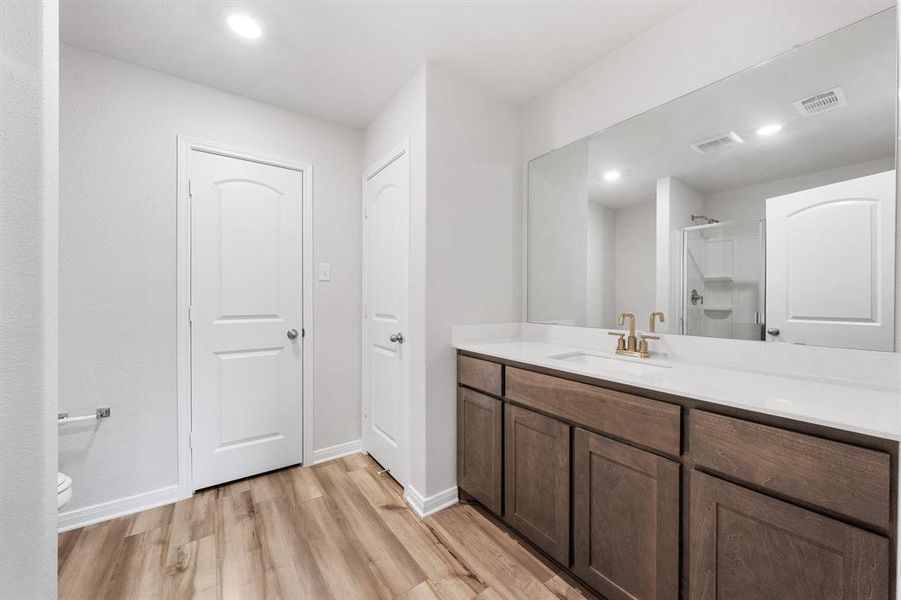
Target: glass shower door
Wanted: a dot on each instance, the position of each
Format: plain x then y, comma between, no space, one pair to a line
723,280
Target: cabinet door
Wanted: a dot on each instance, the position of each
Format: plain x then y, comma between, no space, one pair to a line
479,447
745,546
626,520
536,486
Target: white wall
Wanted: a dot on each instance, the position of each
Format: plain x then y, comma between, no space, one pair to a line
404,119
473,228
749,203
29,190
636,261
676,202
697,46
558,236
465,216
117,262
601,262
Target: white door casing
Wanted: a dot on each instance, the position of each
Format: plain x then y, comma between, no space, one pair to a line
246,296
386,206
830,264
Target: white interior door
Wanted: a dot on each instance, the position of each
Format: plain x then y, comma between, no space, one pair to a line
246,308
830,264
386,197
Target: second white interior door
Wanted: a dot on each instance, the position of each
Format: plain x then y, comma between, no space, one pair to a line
386,194
246,318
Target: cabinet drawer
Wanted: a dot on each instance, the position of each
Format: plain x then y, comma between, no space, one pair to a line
479,374
645,422
479,451
842,478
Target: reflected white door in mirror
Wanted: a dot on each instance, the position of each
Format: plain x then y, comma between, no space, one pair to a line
830,274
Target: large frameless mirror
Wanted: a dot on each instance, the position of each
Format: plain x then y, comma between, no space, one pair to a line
761,207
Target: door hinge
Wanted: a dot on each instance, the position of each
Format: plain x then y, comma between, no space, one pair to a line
303,332
190,193
190,313
191,439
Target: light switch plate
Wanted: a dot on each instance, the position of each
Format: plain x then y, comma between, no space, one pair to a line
325,271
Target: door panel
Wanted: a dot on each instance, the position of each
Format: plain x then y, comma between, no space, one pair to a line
244,375
747,546
830,264
385,266
536,483
626,519
249,269
479,451
245,296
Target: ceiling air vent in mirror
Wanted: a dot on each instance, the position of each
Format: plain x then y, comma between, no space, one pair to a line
820,102
717,143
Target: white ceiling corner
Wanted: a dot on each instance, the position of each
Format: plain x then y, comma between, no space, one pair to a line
342,60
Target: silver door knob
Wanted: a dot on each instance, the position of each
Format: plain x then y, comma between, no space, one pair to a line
292,334
397,338
773,331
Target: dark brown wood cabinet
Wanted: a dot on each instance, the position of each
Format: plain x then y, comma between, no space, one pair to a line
479,451
658,497
631,418
747,546
626,519
480,375
536,480
842,478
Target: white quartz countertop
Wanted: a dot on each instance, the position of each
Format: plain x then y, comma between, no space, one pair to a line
860,408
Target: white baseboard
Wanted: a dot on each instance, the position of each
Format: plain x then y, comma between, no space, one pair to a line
333,452
81,517
424,507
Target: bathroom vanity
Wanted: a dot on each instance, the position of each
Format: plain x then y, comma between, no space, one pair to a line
748,448
647,494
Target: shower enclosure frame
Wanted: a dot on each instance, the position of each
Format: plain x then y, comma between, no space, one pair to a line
759,315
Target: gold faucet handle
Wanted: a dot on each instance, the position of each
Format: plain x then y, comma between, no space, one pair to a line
621,339
643,348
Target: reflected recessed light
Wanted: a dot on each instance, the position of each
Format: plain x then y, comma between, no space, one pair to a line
611,175
769,129
245,26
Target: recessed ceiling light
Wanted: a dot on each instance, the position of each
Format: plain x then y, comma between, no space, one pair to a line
245,26
611,175
769,129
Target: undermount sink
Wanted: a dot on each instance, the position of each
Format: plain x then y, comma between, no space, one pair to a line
610,362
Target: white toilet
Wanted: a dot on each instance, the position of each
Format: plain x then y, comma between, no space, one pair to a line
63,489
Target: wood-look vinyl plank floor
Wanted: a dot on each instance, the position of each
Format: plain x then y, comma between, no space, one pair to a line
337,530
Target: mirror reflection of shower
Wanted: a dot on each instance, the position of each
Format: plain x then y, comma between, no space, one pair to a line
723,279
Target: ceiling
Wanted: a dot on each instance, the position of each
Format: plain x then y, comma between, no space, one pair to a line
860,58
342,60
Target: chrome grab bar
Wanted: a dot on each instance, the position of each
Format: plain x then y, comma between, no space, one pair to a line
101,413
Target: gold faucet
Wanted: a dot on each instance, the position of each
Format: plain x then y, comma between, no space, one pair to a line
630,346
631,341
654,315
